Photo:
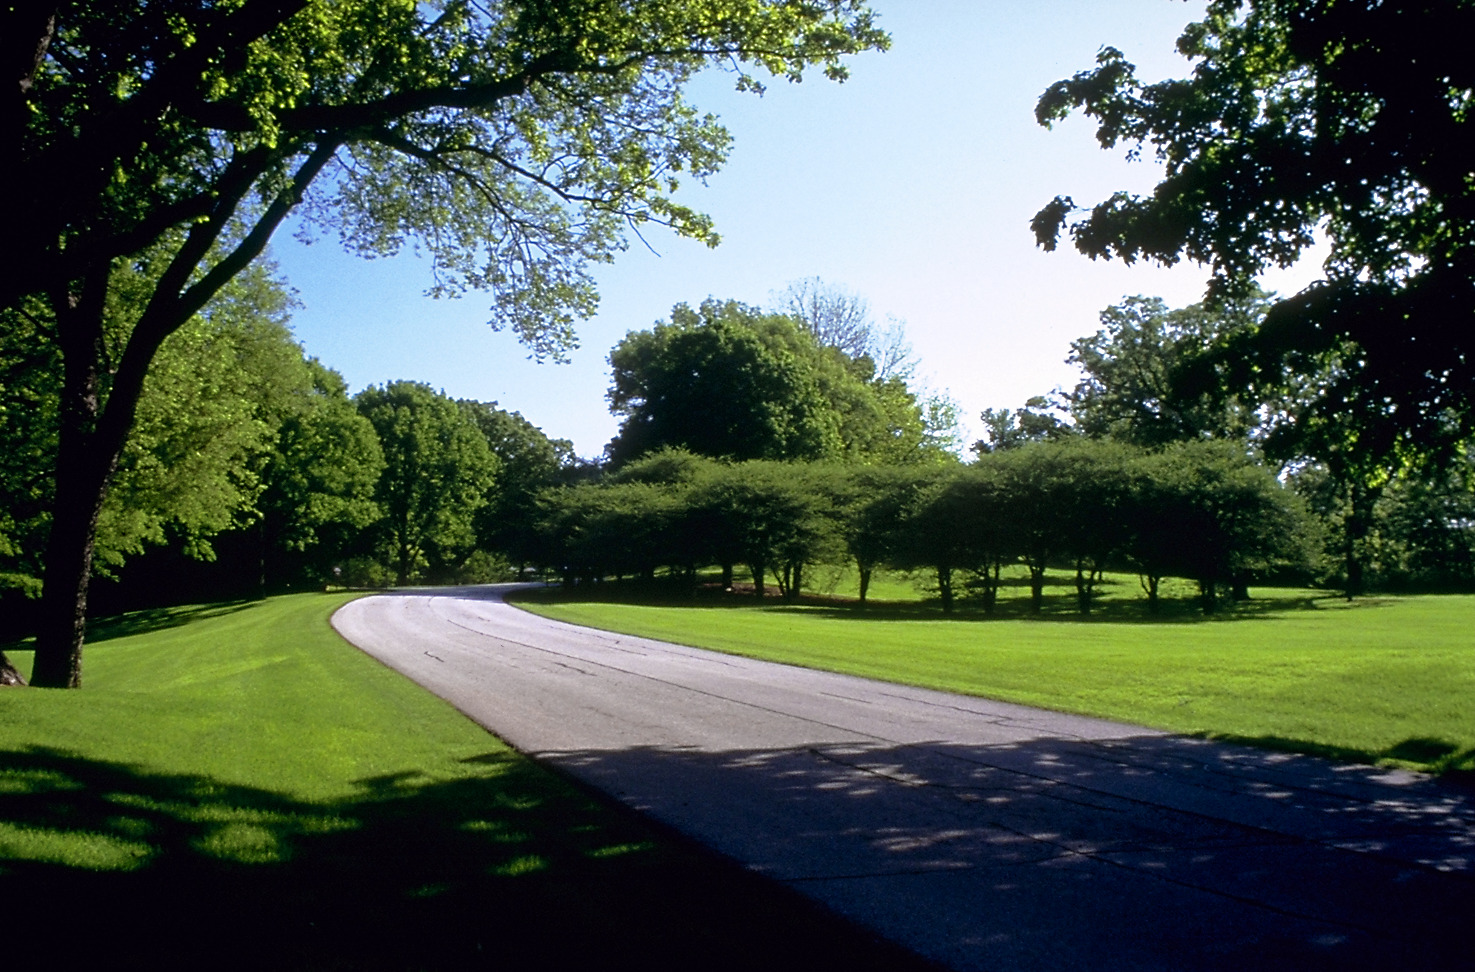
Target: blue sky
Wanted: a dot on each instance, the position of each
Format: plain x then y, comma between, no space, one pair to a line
912,185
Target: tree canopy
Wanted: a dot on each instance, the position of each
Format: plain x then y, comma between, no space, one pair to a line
438,468
1304,117
729,381
513,141
1135,385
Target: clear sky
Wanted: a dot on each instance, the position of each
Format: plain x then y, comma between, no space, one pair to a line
912,185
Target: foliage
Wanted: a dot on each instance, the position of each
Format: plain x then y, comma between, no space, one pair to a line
728,381
1307,116
320,480
1035,422
437,470
1144,381
1089,506
515,143
1205,511
205,429
206,424
528,461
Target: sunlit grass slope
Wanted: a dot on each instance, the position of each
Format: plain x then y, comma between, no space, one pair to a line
236,787
1375,679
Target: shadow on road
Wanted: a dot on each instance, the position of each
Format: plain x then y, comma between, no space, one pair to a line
1159,852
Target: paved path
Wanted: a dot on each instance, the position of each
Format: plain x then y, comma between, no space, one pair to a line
981,834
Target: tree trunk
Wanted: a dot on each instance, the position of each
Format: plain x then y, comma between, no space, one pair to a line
758,571
990,586
1208,596
1083,589
87,454
865,583
1150,584
727,577
9,674
945,588
63,626
1036,586
796,582
1355,528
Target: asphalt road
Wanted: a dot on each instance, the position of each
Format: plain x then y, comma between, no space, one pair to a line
980,834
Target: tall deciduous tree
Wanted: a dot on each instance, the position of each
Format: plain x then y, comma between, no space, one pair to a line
729,381
528,461
723,380
437,471
1143,381
514,140
319,482
1307,116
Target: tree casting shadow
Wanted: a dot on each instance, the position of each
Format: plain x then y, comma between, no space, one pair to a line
122,867
1059,607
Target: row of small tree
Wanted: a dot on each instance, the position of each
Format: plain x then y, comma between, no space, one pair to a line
1394,512
1200,511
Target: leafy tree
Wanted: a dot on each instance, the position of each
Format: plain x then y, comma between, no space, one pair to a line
1304,116
593,530
729,381
1427,529
528,462
874,510
954,524
842,320
437,470
723,380
1206,511
206,425
1035,422
319,481
514,141
1144,381
774,518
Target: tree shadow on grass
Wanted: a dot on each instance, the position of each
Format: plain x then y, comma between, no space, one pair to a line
158,619
1057,607
119,866
1454,763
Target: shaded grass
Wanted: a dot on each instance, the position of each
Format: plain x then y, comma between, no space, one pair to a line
1382,680
238,788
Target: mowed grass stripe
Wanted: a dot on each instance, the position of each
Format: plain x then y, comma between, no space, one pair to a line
236,787
1386,679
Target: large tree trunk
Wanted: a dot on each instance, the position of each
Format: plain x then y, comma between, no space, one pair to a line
87,453
9,674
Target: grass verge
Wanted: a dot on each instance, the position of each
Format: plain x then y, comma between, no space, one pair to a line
236,787
1379,679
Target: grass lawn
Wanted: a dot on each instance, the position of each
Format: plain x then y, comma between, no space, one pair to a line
1386,679
236,787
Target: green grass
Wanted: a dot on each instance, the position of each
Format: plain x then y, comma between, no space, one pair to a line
1379,679
236,787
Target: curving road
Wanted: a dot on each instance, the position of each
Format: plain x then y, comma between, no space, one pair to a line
980,834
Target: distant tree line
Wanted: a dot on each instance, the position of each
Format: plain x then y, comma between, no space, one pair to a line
1393,511
1201,511
250,469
